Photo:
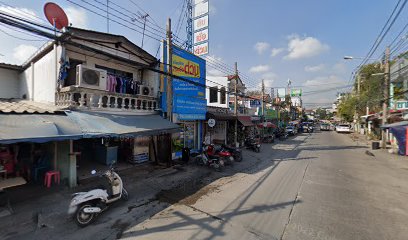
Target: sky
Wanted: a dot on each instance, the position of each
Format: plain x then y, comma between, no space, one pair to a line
274,40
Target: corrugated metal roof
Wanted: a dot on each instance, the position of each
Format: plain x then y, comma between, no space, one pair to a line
37,128
24,106
95,124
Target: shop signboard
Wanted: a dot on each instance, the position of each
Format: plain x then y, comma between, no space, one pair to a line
201,23
141,150
400,105
296,92
188,93
201,49
201,36
281,92
200,8
254,103
201,26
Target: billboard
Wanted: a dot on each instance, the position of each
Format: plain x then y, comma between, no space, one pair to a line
281,92
189,101
200,25
296,92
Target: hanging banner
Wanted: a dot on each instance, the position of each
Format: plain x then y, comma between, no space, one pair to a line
281,92
296,92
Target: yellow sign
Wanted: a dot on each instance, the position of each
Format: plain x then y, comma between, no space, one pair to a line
185,68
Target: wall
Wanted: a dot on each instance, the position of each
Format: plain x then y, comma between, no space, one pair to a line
9,83
150,78
44,74
217,82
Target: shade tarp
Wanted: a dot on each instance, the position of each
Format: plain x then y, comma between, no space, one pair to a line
37,128
246,121
399,133
103,124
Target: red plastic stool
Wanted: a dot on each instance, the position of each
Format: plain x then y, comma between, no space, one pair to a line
48,178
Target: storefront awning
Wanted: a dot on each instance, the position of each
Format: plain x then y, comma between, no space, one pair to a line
397,124
103,124
246,121
36,128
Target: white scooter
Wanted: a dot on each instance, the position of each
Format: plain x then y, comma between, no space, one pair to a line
85,206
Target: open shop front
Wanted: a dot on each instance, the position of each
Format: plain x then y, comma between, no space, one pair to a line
123,140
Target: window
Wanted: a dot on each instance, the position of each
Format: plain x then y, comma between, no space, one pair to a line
223,95
213,94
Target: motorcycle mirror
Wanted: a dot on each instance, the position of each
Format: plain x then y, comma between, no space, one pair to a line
93,172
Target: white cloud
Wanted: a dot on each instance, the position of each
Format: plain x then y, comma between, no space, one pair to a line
316,68
323,82
215,72
259,69
20,12
261,47
77,17
304,47
276,51
22,52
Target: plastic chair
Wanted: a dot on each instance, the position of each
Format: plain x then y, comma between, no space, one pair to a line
48,178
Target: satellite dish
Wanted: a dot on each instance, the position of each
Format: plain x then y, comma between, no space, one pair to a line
55,15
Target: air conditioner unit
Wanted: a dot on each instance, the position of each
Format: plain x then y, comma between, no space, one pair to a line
146,90
89,77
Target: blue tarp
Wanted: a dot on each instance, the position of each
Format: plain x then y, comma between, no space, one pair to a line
37,128
400,134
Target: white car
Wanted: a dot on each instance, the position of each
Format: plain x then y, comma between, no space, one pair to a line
343,128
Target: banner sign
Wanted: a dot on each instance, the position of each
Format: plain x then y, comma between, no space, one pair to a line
189,101
200,25
296,92
200,8
281,92
201,36
201,49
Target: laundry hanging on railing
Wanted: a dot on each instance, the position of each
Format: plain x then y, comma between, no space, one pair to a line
121,84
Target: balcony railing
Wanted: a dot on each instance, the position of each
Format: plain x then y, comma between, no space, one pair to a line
73,97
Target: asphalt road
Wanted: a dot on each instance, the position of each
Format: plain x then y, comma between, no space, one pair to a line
319,186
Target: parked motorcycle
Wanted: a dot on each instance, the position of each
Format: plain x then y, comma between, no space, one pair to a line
236,152
251,143
205,160
86,206
282,134
221,153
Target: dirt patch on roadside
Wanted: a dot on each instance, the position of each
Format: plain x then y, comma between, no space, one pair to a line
188,193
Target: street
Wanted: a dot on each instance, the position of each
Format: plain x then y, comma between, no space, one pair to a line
318,186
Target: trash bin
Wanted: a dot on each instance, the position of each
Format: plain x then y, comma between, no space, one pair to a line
375,145
185,154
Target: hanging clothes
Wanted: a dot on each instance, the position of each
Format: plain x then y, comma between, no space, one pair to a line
118,84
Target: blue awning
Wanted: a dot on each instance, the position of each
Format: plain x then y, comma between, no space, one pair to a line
102,124
37,128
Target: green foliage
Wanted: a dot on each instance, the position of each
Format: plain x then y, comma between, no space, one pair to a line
347,107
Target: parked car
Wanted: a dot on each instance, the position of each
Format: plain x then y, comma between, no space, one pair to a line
343,128
291,130
325,127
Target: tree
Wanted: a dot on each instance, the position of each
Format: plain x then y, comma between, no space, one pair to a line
347,108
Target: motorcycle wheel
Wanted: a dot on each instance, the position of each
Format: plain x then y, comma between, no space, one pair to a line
257,149
125,194
238,158
83,219
199,160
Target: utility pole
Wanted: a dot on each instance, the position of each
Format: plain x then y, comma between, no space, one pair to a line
262,100
144,17
107,15
170,72
358,97
236,105
386,94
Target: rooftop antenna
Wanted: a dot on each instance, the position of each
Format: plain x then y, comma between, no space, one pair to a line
56,16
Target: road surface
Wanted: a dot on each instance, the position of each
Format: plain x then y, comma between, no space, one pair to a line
312,186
